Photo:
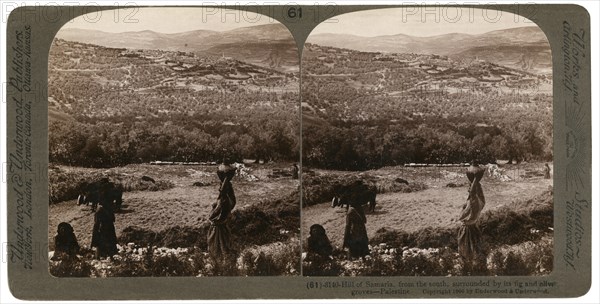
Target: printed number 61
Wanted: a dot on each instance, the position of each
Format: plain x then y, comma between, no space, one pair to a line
294,12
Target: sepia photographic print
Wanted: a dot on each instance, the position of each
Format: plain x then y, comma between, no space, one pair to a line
173,146
298,151
427,145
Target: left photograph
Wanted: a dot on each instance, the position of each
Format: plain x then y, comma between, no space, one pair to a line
174,144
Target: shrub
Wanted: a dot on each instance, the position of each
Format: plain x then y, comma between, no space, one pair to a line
270,260
527,258
171,266
127,267
412,262
321,267
71,267
419,265
317,189
63,185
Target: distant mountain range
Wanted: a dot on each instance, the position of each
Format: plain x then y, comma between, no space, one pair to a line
271,44
525,48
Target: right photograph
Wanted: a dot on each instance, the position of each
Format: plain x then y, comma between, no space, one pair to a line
427,145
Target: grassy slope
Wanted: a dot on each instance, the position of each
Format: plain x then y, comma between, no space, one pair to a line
438,206
183,205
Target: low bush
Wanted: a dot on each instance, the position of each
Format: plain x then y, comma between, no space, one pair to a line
171,266
527,258
71,267
315,265
524,259
272,259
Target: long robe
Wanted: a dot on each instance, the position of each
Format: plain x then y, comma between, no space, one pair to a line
104,237
355,236
469,235
65,240
219,235
318,242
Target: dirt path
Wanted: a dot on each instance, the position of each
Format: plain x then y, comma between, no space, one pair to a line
435,207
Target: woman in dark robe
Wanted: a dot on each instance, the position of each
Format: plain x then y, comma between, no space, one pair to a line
469,235
219,236
355,235
104,237
318,242
65,242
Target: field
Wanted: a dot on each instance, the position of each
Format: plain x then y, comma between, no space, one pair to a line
426,219
176,216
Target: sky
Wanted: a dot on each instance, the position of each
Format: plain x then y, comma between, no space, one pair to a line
414,21
421,22
167,20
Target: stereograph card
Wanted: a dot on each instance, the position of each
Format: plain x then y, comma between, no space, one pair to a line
298,151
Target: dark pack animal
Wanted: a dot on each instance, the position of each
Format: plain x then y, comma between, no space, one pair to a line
148,179
100,191
65,241
318,242
357,192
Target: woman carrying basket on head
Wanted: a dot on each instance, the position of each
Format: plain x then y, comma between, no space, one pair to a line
219,235
469,235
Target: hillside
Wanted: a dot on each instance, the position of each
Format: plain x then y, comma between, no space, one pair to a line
95,81
254,44
509,46
369,109
115,106
338,83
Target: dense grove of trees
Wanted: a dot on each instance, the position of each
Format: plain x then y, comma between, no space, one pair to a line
361,147
106,144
